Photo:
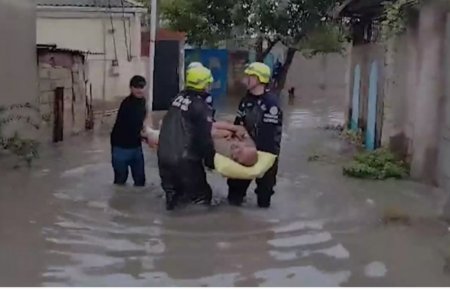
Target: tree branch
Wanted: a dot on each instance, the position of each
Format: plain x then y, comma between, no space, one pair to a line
269,48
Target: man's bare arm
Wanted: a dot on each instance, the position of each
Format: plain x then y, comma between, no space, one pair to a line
236,130
224,125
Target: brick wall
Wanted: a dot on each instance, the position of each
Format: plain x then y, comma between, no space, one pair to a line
68,71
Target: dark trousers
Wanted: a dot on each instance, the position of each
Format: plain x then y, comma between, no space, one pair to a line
237,189
122,159
184,181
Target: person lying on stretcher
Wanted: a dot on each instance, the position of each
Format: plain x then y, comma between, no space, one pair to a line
230,140
234,142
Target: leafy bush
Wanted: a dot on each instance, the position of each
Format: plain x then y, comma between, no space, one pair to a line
378,165
355,137
397,14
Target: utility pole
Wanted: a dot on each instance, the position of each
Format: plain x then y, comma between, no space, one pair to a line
151,58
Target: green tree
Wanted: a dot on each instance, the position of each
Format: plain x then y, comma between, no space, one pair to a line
206,22
301,25
291,22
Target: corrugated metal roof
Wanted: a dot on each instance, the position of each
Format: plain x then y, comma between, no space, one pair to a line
89,3
55,48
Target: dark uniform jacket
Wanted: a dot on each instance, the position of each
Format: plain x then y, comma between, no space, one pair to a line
186,130
263,119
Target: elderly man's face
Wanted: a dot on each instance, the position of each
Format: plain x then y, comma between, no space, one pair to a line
243,154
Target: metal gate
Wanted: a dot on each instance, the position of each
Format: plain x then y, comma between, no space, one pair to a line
166,77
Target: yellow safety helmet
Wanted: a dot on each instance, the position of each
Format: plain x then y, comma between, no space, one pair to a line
260,70
198,77
194,64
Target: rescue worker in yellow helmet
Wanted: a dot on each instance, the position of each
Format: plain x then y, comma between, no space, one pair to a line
185,142
209,99
259,112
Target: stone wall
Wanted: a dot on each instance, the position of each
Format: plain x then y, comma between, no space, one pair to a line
62,69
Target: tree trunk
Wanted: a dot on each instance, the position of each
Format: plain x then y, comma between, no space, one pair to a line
285,69
268,49
259,49
261,53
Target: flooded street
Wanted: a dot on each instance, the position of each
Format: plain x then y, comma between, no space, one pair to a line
63,223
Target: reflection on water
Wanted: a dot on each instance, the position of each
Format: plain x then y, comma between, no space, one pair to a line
306,276
122,236
301,118
375,270
91,233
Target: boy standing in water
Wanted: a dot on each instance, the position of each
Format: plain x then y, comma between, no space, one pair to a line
126,139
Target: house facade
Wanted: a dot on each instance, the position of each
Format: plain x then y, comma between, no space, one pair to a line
399,92
109,31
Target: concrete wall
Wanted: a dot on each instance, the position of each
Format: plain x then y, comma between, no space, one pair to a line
444,145
319,75
62,69
93,32
397,89
364,55
399,71
414,121
18,55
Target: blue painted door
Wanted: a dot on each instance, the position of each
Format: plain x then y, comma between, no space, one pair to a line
217,61
355,98
372,107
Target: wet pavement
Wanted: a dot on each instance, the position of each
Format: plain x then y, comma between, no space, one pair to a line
64,224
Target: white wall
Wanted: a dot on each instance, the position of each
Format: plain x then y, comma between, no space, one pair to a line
92,32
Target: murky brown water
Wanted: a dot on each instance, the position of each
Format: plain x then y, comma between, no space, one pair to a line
64,224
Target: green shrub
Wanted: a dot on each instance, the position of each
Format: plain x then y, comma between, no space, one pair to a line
378,165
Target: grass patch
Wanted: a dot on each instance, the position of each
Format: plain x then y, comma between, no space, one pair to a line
380,164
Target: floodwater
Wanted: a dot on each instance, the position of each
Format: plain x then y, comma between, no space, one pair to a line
64,224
